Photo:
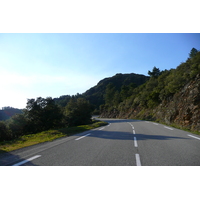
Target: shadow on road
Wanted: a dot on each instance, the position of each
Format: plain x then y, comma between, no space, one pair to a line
118,120
9,159
156,137
117,135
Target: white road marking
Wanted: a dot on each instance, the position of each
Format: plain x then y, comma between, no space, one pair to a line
25,161
101,128
146,121
155,123
194,137
137,157
82,136
168,128
135,142
131,125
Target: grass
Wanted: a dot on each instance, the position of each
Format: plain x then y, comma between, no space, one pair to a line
46,136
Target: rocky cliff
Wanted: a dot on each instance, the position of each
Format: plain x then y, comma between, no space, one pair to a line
183,108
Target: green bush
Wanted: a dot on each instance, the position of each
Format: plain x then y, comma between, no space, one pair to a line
4,132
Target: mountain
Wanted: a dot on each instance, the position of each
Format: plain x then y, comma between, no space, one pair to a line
8,112
96,94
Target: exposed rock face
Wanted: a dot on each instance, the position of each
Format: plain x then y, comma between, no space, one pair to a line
184,107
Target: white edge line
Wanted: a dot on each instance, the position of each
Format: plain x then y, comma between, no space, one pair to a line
194,137
82,136
137,157
168,128
135,142
27,160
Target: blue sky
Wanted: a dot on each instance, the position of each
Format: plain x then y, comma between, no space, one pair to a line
55,64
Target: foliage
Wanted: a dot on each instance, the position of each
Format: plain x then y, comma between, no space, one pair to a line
96,95
4,132
109,94
63,100
17,125
78,112
193,52
155,72
44,136
42,114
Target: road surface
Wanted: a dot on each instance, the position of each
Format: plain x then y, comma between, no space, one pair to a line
120,143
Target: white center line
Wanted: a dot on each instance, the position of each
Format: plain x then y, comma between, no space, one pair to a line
133,131
135,142
137,157
194,137
82,136
25,161
131,125
168,128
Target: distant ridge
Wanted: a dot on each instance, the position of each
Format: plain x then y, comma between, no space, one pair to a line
96,94
8,112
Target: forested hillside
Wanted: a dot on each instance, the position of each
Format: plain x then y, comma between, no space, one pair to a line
170,96
121,84
8,112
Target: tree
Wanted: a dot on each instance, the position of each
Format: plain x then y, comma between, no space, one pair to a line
193,52
109,94
4,132
155,72
43,114
17,125
78,112
124,93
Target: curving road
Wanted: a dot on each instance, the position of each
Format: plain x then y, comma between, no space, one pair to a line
121,143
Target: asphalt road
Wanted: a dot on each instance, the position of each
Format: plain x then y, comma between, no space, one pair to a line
121,143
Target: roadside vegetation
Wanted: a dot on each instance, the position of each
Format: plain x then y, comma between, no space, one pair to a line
46,136
43,120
